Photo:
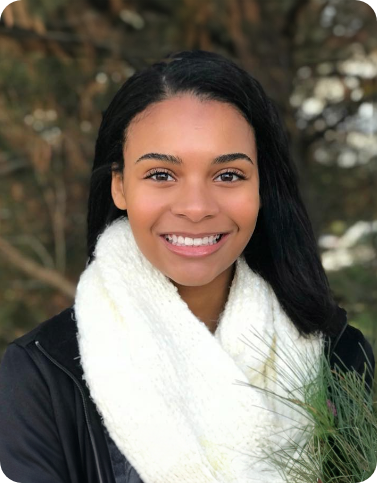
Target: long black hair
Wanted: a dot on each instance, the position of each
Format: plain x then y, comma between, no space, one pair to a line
282,249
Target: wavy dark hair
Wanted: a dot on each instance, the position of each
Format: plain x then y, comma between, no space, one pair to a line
283,249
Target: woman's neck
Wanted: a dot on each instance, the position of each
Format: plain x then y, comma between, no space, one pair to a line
207,302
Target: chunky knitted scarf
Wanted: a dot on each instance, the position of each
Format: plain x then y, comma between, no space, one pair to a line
175,398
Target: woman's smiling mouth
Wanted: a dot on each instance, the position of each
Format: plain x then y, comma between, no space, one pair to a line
194,247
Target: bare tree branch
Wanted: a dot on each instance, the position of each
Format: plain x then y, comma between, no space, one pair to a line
69,39
7,168
38,248
55,200
59,223
291,19
50,277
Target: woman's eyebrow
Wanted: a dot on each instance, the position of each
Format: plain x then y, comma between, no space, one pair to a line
169,158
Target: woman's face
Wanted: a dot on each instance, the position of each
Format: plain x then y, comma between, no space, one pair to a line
177,181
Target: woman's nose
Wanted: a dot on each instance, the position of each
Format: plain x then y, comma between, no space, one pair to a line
195,201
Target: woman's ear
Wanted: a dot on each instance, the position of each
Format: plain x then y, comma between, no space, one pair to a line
117,190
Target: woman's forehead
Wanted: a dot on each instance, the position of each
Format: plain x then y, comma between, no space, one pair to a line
188,123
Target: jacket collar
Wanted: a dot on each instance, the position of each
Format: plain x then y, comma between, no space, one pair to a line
58,337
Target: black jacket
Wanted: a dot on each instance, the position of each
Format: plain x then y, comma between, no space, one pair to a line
50,430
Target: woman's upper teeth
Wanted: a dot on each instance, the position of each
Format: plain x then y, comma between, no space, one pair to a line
192,241
193,237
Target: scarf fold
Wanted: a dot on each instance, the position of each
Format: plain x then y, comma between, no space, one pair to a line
171,394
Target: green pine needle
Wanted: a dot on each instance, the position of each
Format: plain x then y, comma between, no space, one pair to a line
341,439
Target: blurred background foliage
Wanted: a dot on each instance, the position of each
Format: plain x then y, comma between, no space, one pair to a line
61,63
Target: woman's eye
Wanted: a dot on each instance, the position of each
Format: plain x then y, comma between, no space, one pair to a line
156,173
233,173
166,173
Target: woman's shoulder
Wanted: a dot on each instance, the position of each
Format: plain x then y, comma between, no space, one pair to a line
52,341
352,346
61,326
352,351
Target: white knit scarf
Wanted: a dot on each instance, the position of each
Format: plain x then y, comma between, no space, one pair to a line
168,390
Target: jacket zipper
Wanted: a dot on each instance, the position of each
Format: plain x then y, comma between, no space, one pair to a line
44,352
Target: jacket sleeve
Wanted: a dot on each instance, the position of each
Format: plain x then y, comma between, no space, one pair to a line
30,448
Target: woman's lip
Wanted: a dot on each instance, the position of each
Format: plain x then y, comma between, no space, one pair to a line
195,251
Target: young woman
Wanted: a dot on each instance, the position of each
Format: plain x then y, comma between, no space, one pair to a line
197,239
